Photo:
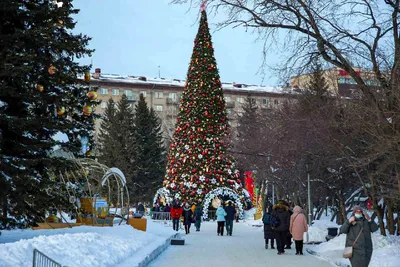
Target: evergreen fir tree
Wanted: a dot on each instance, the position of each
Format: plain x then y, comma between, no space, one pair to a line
197,160
41,94
317,85
109,146
149,152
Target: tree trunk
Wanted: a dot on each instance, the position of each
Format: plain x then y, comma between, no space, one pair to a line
379,213
342,215
390,217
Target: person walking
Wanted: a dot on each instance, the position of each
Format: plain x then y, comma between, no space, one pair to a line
187,217
358,230
268,231
221,213
280,224
176,213
140,208
198,212
230,216
298,226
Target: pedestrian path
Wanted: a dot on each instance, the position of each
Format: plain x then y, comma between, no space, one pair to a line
244,248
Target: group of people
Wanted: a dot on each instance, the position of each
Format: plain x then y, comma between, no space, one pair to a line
281,224
225,217
189,214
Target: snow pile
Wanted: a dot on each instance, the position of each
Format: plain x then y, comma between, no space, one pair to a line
319,230
386,250
81,246
249,214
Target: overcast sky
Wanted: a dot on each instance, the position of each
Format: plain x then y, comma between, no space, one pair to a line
134,37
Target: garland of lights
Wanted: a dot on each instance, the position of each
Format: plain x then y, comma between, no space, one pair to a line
222,191
163,192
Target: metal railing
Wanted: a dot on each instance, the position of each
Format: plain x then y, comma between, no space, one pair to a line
41,260
164,216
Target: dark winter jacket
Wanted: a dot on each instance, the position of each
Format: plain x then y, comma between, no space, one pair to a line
187,216
176,212
283,215
230,213
198,212
362,249
140,208
268,232
167,208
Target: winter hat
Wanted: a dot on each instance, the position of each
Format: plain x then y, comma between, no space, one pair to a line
357,208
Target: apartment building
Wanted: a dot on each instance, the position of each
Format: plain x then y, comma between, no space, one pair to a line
339,81
164,96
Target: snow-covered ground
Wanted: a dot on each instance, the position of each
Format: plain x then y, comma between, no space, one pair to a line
244,248
84,245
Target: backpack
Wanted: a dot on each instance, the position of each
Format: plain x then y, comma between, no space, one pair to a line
275,221
267,219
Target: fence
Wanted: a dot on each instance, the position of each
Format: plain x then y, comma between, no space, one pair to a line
163,216
41,260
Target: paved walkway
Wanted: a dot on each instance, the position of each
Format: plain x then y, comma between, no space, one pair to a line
244,248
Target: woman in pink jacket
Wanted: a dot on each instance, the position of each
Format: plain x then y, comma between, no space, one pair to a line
298,226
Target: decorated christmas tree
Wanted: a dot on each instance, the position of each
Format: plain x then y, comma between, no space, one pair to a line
44,93
197,160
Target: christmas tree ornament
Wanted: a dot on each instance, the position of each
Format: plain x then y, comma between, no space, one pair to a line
39,87
89,154
60,111
92,95
87,76
59,23
51,70
87,110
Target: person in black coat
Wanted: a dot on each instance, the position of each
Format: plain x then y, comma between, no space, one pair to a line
268,231
289,236
230,216
281,212
140,208
187,217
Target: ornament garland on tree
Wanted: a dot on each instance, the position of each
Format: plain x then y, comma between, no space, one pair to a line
197,160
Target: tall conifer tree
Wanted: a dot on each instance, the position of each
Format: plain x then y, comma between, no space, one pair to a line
197,160
41,93
149,150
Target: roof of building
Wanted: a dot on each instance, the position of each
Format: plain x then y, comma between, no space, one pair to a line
181,83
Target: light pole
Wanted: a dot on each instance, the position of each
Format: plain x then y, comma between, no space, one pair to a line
309,195
272,172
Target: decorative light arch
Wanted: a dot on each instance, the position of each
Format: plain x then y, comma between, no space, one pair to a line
162,192
222,191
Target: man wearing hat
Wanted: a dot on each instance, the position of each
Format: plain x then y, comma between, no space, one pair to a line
358,230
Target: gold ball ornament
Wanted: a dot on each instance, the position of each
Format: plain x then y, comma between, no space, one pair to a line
39,87
87,76
87,110
89,153
61,111
92,95
59,23
51,70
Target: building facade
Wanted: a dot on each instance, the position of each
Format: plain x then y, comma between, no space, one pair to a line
338,81
164,96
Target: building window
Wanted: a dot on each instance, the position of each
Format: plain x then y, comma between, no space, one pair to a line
172,95
103,104
104,91
143,93
115,92
159,95
276,102
128,92
265,101
159,108
240,100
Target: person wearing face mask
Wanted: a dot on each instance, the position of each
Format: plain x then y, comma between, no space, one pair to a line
359,225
